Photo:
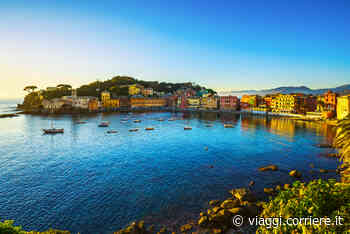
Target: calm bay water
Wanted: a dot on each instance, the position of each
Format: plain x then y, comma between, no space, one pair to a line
88,181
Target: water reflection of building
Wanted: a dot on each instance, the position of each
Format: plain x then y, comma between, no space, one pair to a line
285,126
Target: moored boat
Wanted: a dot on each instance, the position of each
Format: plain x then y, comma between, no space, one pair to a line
53,130
171,119
112,131
104,124
161,119
149,128
137,121
228,125
187,128
133,130
81,122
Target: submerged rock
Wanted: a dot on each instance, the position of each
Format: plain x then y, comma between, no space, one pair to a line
269,190
242,194
269,168
295,173
186,227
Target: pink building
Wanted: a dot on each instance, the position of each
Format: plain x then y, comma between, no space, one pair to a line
229,103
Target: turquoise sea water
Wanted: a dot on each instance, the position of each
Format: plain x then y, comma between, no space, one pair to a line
89,181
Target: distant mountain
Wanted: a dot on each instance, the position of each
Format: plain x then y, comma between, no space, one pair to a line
344,89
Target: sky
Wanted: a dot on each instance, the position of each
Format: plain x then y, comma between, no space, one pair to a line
224,45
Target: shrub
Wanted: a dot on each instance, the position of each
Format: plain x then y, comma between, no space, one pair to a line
8,228
342,142
318,199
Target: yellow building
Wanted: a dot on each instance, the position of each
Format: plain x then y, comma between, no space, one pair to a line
285,103
141,102
135,89
343,106
210,102
108,102
193,102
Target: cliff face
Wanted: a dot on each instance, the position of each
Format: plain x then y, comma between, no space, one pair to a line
32,101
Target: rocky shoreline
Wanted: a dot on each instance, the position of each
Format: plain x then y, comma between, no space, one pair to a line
218,217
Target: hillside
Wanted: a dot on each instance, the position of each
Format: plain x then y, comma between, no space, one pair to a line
290,89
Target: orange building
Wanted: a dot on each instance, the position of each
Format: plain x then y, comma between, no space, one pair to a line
330,101
141,102
93,105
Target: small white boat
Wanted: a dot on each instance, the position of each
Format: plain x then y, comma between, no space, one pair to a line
160,119
112,131
137,121
125,119
187,128
104,124
53,130
149,128
81,122
228,125
171,119
133,130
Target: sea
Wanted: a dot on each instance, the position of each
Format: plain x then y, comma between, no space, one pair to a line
89,181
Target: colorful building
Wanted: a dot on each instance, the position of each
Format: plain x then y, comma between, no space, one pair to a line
343,106
250,101
108,102
209,102
147,92
135,89
330,101
142,102
286,103
193,102
229,103
93,105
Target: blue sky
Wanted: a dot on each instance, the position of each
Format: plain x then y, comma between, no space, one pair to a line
226,45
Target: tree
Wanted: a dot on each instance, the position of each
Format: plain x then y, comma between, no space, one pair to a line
64,86
342,142
30,88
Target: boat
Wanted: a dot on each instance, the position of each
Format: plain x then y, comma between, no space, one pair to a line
81,122
133,130
104,124
112,131
171,119
209,125
187,128
125,119
53,130
160,119
228,125
149,128
137,121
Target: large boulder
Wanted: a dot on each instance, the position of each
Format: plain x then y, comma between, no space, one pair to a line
243,194
269,168
295,173
230,203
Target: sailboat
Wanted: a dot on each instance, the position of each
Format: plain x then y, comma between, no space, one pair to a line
53,130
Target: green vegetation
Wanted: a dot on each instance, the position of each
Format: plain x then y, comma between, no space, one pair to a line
30,88
317,199
118,86
7,227
32,100
342,142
